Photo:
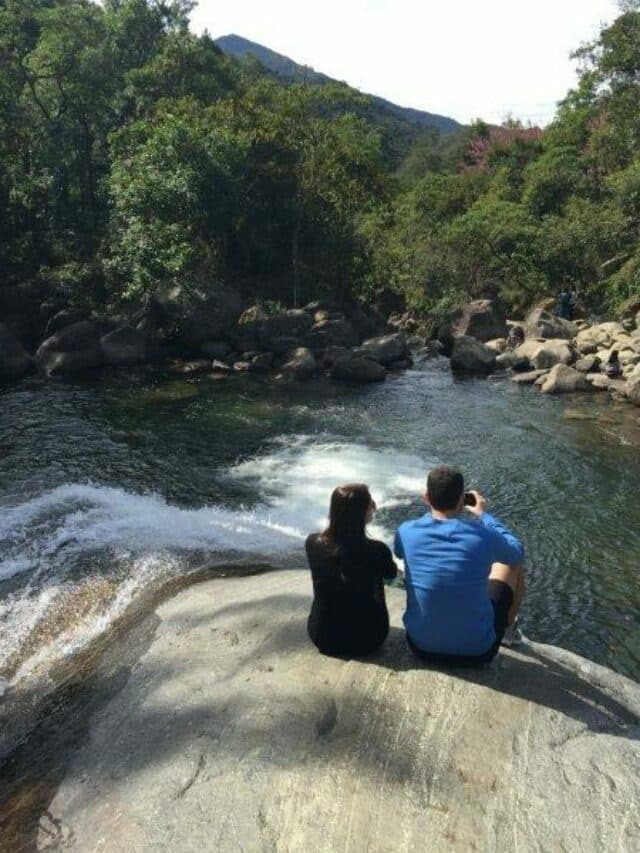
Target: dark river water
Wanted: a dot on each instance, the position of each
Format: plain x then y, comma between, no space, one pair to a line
110,486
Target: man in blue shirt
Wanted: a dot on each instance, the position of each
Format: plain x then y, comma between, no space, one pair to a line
463,575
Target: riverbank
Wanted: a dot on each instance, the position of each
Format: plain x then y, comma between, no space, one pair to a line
230,732
215,338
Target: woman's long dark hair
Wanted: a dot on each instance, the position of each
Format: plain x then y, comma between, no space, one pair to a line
347,521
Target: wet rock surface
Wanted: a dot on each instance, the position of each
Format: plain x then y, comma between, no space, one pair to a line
471,356
562,379
73,349
231,732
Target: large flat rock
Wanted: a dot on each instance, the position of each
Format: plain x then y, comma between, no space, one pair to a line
233,733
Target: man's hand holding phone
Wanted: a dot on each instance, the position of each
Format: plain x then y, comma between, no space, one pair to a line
475,503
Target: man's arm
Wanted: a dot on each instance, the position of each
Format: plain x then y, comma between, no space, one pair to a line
506,546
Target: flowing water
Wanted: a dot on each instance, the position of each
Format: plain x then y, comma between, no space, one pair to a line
111,486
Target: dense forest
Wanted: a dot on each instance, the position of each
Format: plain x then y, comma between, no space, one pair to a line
136,157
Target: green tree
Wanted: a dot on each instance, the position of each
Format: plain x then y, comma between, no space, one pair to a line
172,189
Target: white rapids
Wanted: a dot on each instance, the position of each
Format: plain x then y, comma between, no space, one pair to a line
75,557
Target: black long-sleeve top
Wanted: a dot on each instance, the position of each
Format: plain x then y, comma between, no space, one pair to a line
349,613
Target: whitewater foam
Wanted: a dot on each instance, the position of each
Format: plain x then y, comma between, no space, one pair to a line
50,541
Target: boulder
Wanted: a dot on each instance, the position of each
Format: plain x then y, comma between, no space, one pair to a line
386,349
190,368
221,367
598,381
262,362
357,368
529,378
540,323
254,314
153,320
215,350
124,346
283,346
293,324
563,379
552,352
331,333
332,355
482,319
433,349
74,349
366,322
511,360
14,359
585,343
618,389
632,390
301,364
267,333
498,345
206,317
588,364
231,732
61,319
626,356
529,349
605,333
471,356
634,372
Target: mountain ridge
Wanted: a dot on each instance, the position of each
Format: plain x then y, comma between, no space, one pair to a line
290,71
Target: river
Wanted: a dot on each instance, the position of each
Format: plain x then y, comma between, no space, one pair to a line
112,485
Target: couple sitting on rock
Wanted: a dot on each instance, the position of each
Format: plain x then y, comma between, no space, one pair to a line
463,577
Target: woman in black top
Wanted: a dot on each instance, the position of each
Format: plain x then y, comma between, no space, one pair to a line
349,614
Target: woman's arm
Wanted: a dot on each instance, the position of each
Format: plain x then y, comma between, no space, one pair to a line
389,569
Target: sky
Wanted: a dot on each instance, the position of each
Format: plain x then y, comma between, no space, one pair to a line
464,59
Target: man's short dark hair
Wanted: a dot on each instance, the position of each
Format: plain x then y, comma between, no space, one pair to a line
445,485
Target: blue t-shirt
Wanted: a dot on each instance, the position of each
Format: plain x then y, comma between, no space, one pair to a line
447,564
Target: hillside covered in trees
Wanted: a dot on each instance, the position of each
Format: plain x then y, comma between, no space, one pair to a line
137,157
291,72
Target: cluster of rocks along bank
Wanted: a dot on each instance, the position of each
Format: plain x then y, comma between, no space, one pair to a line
217,336
556,355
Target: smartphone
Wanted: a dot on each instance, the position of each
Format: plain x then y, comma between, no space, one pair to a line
469,499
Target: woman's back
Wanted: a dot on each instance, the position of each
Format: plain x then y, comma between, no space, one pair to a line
349,613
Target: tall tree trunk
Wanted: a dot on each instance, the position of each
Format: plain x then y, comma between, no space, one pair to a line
295,251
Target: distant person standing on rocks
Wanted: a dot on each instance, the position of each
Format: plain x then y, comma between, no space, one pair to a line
564,306
349,614
463,576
